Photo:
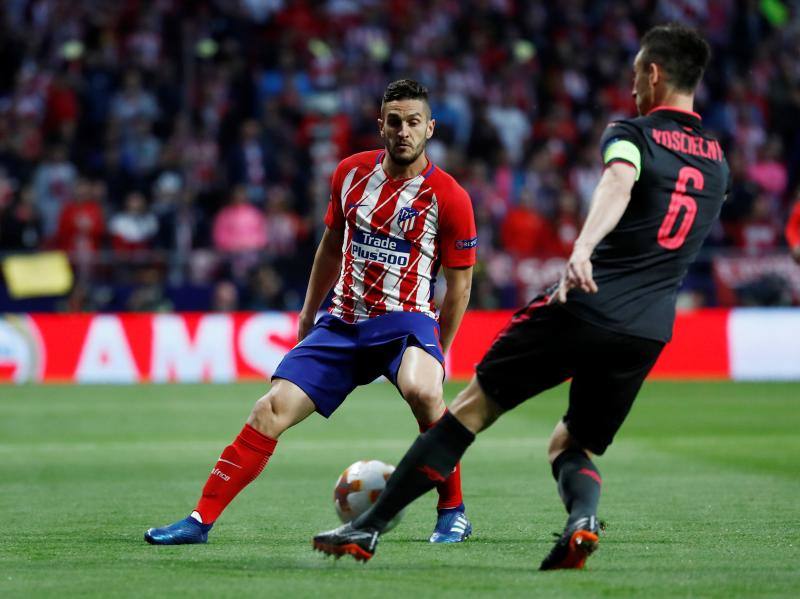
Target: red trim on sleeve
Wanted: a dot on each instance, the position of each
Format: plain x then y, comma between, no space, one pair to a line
621,161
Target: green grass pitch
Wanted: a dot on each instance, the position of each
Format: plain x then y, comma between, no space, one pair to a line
702,497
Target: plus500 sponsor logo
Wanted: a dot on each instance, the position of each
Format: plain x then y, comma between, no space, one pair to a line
379,248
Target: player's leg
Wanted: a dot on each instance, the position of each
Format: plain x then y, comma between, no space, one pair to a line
473,408
242,461
316,375
579,482
523,360
284,405
434,454
427,463
601,395
576,475
419,380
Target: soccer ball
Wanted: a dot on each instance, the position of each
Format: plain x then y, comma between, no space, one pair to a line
359,486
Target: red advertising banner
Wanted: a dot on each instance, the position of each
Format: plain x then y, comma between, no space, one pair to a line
192,347
699,348
776,274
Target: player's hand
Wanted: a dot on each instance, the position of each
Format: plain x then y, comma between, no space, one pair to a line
577,275
304,324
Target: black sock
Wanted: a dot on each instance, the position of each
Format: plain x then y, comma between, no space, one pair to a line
429,461
579,483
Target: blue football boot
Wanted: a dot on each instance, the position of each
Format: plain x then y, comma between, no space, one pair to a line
452,526
183,532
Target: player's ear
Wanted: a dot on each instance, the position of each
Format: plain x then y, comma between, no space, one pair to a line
380,126
430,128
654,73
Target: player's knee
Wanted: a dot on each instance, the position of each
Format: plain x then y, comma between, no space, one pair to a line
474,409
560,441
266,416
425,401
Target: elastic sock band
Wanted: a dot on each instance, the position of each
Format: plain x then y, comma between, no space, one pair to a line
454,427
426,427
257,441
564,456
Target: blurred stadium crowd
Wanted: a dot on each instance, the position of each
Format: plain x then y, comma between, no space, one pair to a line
180,151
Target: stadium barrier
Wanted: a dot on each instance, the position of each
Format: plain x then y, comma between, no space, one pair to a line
737,344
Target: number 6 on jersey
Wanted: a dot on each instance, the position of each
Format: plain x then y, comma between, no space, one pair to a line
679,199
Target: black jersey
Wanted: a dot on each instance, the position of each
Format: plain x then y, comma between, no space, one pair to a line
682,180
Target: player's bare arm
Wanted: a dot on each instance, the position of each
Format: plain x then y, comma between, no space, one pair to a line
324,273
454,304
611,198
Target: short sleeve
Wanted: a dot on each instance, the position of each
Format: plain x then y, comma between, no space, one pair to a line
622,142
457,234
334,217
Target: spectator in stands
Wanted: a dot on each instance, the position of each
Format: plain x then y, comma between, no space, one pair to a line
133,103
20,223
567,224
199,153
239,226
521,89
283,227
141,150
62,107
182,224
135,227
793,231
247,162
53,183
584,175
265,290
165,191
225,297
6,200
525,233
148,293
81,224
760,231
768,171
240,230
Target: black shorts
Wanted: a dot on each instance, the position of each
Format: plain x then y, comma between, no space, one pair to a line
544,346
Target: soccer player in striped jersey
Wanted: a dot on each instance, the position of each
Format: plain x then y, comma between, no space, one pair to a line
393,221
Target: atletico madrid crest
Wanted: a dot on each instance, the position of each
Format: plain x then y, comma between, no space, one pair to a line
406,218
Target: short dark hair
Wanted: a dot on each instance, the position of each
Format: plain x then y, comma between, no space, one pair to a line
405,89
680,51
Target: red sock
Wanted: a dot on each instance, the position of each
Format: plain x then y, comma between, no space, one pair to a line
240,463
449,490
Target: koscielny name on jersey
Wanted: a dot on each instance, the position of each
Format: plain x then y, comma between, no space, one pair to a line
380,248
689,144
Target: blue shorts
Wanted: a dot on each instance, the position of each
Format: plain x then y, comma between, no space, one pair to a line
336,357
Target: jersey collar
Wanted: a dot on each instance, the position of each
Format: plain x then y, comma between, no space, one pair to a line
427,171
674,109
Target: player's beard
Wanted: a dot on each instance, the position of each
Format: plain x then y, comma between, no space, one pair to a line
405,160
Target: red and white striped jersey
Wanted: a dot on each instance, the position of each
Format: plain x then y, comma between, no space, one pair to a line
397,234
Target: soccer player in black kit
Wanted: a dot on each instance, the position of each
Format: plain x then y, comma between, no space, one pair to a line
608,319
